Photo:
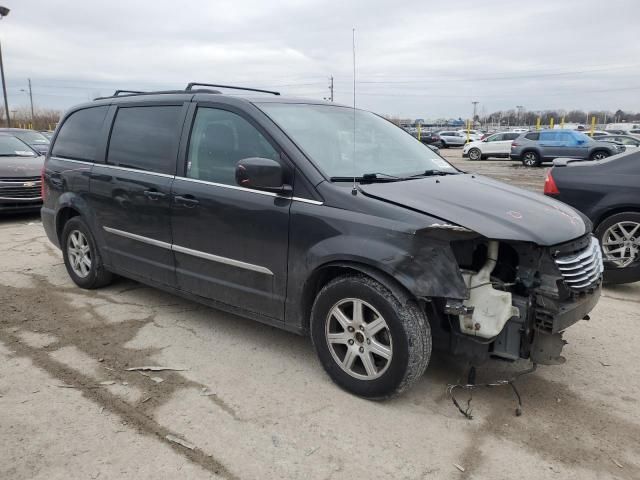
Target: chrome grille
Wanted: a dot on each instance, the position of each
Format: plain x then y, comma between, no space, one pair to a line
13,188
582,269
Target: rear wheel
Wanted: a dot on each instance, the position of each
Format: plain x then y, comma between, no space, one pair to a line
619,236
444,144
368,341
530,159
475,154
599,155
81,256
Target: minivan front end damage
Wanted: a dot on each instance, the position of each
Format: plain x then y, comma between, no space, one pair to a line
520,298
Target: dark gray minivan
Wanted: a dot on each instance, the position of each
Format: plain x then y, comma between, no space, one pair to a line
319,219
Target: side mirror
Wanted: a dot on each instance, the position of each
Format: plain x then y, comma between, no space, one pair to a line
580,141
261,174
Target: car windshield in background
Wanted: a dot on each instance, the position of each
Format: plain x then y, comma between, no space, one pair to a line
32,138
325,133
12,147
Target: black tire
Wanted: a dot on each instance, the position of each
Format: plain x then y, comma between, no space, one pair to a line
475,152
599,155
408,330
615,274
531,158
444,144
97,275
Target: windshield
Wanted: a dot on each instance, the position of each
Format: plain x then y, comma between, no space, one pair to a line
325,134
31,137
11,147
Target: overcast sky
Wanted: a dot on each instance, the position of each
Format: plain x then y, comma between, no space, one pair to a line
417,59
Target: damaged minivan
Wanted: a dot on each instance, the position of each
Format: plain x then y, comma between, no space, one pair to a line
319,219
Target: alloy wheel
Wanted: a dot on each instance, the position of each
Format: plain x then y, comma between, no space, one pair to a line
79,253
530,159
474,154
359,339
621,243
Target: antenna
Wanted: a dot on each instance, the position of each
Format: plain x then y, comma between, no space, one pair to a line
354,190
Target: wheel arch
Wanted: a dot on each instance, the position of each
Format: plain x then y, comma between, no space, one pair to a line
323,274
65,214
614,211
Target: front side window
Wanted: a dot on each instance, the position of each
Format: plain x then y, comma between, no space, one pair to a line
79,135
326,135
219,139
146,138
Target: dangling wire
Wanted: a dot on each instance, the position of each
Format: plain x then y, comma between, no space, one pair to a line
498,383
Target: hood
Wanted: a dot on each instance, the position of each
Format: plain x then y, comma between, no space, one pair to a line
493,209
21,166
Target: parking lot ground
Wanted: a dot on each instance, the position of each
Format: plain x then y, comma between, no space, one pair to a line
249,401
505,170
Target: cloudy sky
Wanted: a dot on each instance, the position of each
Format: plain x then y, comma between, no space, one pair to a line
418,59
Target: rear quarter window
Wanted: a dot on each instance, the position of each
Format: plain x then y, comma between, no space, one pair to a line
146,138
532,136
79,135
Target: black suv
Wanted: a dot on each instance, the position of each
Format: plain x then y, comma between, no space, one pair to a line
320,219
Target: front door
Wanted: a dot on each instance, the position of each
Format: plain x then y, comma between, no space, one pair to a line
230,243
131,191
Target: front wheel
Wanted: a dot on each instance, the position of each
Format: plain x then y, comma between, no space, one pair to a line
81,256
369,342
599,155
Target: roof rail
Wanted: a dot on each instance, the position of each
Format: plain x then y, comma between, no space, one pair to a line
232,87
118,92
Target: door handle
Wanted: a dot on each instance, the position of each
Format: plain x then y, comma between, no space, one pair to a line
188,201
154,194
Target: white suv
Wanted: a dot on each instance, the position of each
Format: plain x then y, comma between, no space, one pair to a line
496,145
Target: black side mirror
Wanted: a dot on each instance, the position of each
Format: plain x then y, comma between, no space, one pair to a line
261,174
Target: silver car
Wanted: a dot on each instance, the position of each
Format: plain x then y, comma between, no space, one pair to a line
533,148
451,138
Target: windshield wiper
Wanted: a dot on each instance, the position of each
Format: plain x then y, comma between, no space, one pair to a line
433,173
369,178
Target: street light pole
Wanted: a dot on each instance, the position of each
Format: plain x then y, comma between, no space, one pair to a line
3,13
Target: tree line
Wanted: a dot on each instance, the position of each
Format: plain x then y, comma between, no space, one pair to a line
42,119
527,117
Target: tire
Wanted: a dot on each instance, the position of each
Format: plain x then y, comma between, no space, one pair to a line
81,256
475,154
404,339
444,144
599,155
531,159
620,226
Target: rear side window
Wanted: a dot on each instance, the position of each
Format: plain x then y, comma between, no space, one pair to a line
146,138
532,136
510,136
80,133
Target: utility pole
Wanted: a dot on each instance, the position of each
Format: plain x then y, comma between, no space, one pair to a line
4,11
33,117
331,88
475,105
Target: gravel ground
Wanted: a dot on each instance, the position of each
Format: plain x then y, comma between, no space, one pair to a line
249,401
